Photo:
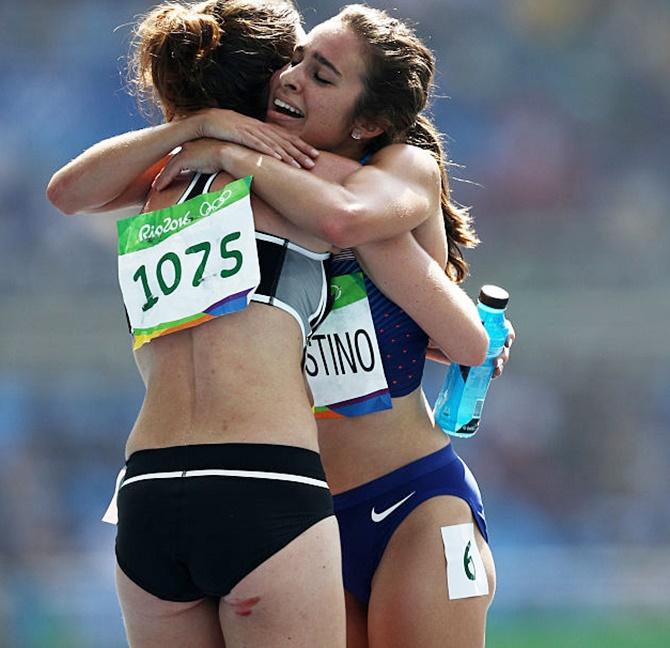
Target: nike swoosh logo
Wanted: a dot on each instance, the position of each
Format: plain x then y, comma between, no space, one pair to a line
378,517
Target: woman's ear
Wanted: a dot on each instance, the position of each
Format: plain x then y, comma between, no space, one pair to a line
363,130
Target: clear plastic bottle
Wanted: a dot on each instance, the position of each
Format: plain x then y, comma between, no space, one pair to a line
458,407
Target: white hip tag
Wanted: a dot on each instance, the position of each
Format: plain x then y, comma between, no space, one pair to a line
186,264
343,363
111,515
466,574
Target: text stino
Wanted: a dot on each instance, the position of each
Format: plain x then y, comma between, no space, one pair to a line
340,354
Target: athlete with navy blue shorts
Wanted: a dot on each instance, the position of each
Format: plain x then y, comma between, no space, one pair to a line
418,570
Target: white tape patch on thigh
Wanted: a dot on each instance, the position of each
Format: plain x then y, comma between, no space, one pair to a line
466,575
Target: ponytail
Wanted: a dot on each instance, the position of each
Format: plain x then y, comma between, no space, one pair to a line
397,84
172,57
457,219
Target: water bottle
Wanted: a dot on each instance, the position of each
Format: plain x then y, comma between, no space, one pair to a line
459,404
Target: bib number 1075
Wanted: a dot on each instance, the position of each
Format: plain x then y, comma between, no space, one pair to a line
184,265
169,271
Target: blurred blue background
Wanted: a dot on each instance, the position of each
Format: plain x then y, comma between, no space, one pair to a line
557,113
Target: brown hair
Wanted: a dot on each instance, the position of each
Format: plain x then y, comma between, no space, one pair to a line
218,53
398,83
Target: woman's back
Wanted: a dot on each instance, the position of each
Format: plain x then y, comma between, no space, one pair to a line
236,378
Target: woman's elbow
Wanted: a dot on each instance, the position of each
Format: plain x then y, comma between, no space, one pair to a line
473,352
57,195
341,227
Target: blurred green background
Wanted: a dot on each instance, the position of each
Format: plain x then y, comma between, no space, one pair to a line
557,113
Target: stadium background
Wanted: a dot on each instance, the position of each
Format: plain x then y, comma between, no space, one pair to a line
558,113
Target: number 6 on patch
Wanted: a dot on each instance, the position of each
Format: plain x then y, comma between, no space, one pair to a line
466,574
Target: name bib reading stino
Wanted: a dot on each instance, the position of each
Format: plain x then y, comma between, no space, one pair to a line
187,264
343,363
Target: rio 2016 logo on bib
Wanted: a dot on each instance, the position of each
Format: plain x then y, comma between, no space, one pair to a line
186,264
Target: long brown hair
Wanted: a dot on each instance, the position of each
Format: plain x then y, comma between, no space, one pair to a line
218,53
397,86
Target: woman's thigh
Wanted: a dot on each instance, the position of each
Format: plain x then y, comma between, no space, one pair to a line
414,600
151,621
293,599
357,622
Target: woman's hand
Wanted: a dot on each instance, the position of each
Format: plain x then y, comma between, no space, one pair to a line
503,358
203,155
270,139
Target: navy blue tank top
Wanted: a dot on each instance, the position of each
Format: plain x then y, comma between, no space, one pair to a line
402,343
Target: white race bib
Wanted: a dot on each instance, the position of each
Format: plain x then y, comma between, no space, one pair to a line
343,363
186,264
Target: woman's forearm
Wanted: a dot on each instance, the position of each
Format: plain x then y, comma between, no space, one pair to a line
411,278
315,204
118,171
370,204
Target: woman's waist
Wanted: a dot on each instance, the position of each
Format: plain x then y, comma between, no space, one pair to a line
185,412
153,431
209,401
357,450
232,397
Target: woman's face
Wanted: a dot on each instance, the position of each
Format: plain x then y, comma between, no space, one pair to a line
314,96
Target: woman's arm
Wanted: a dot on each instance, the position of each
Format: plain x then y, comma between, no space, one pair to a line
393,195
437,355
399,266
409,277
118,171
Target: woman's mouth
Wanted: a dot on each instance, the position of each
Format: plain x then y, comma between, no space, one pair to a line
287,109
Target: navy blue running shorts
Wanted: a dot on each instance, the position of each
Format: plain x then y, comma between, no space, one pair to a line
369,514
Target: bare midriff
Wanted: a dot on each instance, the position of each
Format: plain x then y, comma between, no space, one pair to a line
358,449
235,379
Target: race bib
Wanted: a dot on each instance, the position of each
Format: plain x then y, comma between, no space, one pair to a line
343,363
187,264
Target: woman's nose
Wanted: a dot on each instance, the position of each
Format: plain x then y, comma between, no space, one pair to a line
291,78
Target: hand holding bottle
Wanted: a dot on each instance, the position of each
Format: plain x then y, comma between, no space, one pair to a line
459,404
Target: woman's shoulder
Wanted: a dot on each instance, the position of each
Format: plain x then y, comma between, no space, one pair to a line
406,157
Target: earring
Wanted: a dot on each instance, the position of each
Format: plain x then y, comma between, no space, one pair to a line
356,134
